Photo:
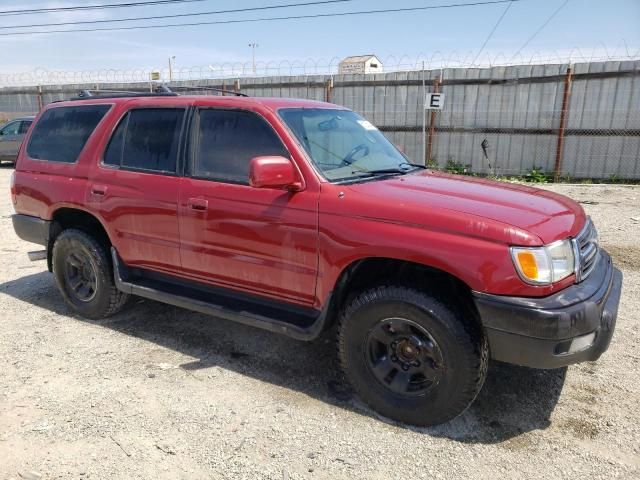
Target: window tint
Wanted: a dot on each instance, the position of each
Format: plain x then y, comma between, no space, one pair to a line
11,129
24,126
113,155
147,139
342,144
61,133
228,140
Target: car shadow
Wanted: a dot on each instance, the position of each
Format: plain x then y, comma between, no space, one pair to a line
514,400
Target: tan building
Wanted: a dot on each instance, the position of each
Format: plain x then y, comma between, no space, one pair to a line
360,64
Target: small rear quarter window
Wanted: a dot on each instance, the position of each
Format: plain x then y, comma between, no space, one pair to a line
61,132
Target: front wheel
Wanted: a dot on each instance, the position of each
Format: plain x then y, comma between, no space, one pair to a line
410,356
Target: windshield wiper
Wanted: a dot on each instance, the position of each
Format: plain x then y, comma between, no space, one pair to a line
414,165
391,170
381,171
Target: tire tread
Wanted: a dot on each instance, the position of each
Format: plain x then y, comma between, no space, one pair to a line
116,298
468,333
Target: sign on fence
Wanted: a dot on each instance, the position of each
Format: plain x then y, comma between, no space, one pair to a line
434,101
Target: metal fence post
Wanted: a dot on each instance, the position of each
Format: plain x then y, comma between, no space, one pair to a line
328,90
432,122
40,102
563,123
236,85
424,119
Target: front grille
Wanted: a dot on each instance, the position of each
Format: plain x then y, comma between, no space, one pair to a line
587,251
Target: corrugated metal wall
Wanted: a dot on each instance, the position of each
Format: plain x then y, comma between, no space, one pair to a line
516,109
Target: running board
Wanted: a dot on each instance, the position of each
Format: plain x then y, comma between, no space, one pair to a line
300,323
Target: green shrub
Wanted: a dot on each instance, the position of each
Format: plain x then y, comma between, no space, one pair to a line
457,168
536,175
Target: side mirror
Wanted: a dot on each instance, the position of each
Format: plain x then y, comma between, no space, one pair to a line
273,172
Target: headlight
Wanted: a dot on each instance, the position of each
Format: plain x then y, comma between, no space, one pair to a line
544,265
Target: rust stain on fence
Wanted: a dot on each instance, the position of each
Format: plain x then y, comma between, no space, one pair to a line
563,123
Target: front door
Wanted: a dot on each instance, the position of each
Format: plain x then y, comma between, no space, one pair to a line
260,241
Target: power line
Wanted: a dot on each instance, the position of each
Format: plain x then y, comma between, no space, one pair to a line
267,19
32,11
535,34
491,32
178,15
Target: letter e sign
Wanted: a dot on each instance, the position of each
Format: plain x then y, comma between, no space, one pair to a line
434,101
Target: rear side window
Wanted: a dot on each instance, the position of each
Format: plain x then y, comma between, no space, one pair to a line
61,133
228,140
146,139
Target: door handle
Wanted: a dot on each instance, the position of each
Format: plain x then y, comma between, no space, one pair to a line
99,190
199,204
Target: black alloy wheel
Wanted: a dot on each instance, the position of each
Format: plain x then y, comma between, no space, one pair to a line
80,275
404,357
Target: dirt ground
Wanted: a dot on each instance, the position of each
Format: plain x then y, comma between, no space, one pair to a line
161,393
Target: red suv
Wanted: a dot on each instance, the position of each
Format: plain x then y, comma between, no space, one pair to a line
293,215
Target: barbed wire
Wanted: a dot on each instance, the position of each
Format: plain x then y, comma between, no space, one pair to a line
311,66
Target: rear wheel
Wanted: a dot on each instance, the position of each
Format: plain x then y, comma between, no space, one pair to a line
410,356
84,275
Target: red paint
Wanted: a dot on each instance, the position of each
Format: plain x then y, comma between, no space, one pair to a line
274,172
292,244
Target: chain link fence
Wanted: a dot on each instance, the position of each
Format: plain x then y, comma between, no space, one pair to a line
552,121
556,120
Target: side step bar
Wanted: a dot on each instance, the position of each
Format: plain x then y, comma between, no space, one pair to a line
302,324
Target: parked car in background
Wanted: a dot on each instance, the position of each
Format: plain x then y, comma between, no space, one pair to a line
11,136
292,215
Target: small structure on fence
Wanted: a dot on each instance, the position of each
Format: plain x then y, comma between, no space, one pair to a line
360,64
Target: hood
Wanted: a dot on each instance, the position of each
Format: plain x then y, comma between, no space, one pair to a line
513,213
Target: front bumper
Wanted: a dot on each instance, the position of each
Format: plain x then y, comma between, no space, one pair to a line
539,332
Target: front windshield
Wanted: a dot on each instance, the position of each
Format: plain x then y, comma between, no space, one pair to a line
343,145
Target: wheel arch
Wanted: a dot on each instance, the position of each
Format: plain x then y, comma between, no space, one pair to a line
65,217
368,272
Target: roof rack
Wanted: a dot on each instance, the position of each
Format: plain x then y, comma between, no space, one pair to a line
205,87
84,94
159,91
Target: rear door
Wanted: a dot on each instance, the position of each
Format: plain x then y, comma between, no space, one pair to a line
24,128
260,241
135,189
22,131
10,140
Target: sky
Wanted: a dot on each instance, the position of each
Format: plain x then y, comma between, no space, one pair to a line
594,27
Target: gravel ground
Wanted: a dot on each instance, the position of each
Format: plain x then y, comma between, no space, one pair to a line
159,392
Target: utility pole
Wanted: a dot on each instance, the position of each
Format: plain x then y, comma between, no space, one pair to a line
253,46
171,60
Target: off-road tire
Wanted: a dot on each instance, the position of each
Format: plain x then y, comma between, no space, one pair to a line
460,339
107,299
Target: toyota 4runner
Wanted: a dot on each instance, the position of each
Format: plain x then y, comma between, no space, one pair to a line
293,215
